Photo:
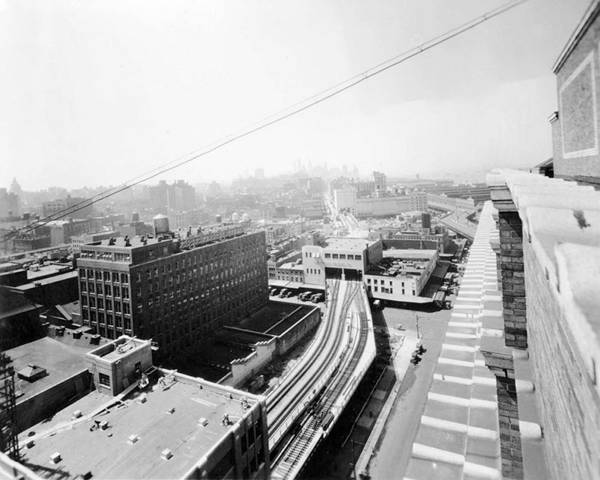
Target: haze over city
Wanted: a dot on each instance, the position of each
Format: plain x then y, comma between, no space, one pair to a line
97,93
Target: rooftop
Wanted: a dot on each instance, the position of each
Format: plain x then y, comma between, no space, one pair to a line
121,242
38,272
61,361
166,415
395,267
346,243
48,280
118,349
410,253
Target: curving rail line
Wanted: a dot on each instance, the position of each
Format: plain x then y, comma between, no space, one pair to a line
324,412
301,385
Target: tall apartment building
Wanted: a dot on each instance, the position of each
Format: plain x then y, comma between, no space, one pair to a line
176,292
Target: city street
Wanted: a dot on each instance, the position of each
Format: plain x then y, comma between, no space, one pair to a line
393,449
394,406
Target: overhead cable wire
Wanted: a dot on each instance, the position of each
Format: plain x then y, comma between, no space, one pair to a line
279,116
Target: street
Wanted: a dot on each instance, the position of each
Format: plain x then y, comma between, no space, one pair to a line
394,447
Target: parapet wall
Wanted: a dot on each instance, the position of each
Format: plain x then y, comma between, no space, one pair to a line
44,404
561,264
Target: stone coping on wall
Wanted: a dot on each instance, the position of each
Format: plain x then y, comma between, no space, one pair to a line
458,436
561,221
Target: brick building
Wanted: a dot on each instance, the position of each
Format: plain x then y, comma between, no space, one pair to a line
176,292
575,127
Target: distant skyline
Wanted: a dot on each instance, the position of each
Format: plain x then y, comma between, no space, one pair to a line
97,92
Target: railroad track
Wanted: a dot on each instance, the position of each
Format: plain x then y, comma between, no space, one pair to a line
292,393
291,460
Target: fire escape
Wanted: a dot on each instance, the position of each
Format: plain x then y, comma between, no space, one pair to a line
9,442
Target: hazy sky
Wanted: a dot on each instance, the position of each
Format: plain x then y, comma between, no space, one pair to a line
95,92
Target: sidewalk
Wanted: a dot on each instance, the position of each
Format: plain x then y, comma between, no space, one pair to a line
401,363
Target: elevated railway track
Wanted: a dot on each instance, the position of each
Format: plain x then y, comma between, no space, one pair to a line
304,407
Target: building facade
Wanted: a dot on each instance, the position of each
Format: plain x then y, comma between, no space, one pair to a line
575,126
152,288
401,278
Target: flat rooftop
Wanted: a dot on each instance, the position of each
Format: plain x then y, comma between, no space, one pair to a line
292,265
48,270
61,361
269,315
346,243
48,280
109,453
134,241
409,253
394,267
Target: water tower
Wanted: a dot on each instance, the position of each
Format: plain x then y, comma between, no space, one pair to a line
161,224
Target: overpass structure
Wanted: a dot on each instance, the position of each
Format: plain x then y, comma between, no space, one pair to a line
302,409
459,223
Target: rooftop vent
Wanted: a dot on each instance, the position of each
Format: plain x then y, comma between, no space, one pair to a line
133,438
203,421
166,454
55,457
31,373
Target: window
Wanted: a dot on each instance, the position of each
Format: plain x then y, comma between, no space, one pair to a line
327,255
115,277
104,379
343,256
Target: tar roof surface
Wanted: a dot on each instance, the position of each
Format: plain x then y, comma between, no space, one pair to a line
109,454
60,361
342,243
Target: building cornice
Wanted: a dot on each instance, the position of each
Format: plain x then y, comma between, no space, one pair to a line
588,18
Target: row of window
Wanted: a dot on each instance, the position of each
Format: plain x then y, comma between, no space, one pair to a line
387,290
107,276
343,256
375,281
92,317
104,289
107,304
108,256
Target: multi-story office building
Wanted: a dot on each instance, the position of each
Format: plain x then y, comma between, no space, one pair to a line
176,292
380,181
